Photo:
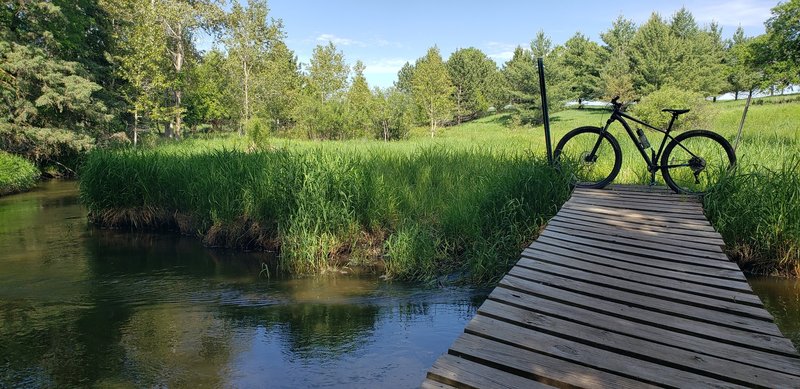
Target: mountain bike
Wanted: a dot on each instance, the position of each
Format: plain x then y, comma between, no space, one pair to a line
691,163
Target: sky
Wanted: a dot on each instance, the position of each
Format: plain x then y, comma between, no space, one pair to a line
385,34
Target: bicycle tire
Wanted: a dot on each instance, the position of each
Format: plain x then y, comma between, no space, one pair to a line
694,161
572,155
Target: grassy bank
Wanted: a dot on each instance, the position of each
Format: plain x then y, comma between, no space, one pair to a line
16,174
416,212
423,206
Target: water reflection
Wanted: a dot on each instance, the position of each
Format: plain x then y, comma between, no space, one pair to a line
781,297
88,307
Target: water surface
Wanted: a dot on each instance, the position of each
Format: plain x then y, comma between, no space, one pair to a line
81,306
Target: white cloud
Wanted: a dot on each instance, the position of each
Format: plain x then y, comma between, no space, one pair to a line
501,52
748,13
384,66
339,41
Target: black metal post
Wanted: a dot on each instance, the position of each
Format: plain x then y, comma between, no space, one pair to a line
545,115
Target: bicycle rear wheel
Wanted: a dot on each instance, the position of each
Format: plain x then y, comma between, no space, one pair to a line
590,156
696,160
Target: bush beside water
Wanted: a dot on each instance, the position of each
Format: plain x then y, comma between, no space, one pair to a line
419,213
16,174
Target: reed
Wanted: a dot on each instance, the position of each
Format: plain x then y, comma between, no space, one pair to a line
416,214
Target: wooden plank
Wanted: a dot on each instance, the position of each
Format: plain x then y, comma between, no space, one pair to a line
665,207
675,198
722,332
652,238
655,189
430,384
526,266
670,197
600,359
671,232
564,241
689,278
702,225
460,372
640,349
688,215
657,281
729,319
737,353
708,230
538,366
670,251
623,246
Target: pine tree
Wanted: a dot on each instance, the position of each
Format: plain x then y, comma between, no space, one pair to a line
521,76
432,89
653,55
583,60
470,71
620,34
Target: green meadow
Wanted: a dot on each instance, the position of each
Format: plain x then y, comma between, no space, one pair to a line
463,203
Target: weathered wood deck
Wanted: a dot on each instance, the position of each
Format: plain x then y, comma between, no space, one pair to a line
627,287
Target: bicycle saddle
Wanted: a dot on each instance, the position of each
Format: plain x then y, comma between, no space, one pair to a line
675,111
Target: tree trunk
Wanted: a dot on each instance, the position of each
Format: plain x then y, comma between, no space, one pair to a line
246,91
135,127
736,95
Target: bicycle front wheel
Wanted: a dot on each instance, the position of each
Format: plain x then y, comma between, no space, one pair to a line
591,157
696,160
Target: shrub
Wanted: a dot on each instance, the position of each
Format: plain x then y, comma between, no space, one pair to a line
16,174
257,130
649,108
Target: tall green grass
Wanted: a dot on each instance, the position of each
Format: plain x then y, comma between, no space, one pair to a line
757,211
16,174
418,213
427,206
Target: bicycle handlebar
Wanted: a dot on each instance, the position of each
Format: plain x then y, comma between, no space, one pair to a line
615,103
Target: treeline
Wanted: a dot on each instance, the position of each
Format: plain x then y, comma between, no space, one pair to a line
77,72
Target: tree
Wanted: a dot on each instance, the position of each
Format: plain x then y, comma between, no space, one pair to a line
616,79
432,88
741,71
393,113
783,29
404,77
470,70
249,37
698,57
541,46
278,86
50,111
140,60
359,103
653,49
328,72
521,76
583,60
213,97
180,21
620,35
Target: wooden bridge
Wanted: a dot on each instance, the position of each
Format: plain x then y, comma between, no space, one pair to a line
627,287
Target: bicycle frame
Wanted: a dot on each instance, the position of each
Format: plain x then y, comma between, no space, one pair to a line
619,116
